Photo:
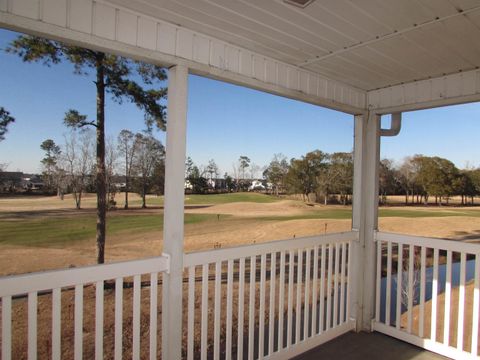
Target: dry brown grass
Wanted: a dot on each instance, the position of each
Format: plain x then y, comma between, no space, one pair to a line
440,318
20,259
20,324
246,229
454,200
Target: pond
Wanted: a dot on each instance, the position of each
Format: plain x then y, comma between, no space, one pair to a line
442,270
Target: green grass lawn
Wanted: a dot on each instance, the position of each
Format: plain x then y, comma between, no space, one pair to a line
342,213
56,231
209,199
438,212
320,214
230,198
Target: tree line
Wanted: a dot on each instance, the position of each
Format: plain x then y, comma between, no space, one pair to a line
420,178
201,179
318,175
324,177
70,168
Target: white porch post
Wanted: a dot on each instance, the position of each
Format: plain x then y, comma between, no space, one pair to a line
365,217
173,212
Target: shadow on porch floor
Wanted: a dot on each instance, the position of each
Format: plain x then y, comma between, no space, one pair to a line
371,346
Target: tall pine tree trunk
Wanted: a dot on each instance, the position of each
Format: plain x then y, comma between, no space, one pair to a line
144,194
126,177
101,183
126,195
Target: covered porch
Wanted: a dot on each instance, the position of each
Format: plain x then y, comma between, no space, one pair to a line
373,346
279,299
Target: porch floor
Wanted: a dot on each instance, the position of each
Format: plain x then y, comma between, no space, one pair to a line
352,346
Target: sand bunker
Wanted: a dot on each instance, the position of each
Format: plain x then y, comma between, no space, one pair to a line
280,208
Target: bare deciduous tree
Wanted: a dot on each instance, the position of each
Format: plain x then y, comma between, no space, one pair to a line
276,172
77,161
254,170
149,153
127,147
111,159
212,168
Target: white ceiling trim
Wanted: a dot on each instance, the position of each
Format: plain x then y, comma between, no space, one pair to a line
441,91
235,34
100,24
105,26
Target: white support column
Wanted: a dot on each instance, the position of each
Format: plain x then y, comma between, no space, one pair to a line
365,217
173,212
356,252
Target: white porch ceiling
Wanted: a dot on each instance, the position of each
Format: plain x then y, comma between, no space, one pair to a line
368,44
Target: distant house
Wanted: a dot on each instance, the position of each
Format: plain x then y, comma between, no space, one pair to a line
119,182
217,184
257,185
120,186
32,182
10,180
211,183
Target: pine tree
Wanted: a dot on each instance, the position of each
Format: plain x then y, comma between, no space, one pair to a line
114,75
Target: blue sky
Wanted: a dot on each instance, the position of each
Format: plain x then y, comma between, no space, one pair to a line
224,121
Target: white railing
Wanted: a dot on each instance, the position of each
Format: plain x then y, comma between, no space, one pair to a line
269,300
49,309
428,293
